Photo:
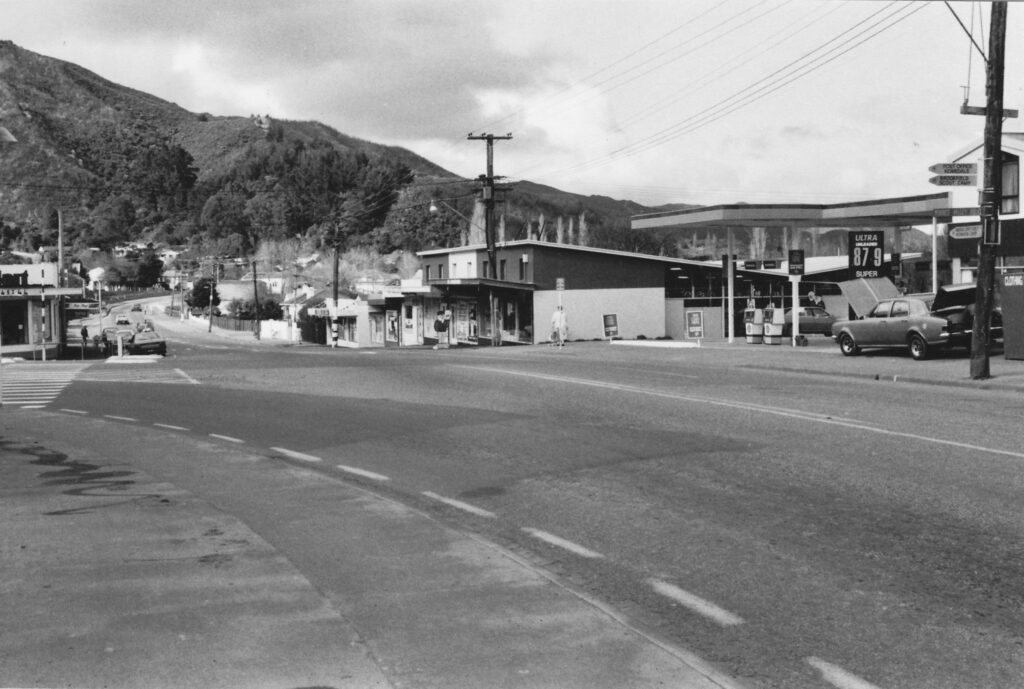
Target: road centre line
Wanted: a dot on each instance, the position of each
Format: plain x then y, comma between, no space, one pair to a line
458,504
226,437
120,418
749,406
363,472
74,411
292,454
559,542
837,676
696,603
170,427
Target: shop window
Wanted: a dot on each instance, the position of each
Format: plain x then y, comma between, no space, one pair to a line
1011,184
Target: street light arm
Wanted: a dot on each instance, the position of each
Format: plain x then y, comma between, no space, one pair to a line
453,209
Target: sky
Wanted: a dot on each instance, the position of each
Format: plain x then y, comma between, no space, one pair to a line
654,101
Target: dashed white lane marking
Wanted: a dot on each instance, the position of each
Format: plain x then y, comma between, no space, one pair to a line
74,411
120,418
748,406
228,438
363,472
296,455
458,504
696,603
170,427
837,676
560,542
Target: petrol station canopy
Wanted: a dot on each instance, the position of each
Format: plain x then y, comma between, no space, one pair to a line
896,212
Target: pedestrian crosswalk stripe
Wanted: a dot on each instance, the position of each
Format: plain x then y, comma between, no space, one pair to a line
39,383
33,385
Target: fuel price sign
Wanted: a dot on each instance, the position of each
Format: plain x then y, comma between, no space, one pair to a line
867,251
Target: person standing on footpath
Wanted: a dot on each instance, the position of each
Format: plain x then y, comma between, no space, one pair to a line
559,327
440,328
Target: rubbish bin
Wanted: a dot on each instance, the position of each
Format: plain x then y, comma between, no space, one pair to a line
753,321
774,323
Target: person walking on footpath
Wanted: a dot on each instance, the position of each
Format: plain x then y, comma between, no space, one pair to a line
440,327
559,327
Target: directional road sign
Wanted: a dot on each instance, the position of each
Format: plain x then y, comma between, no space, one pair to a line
954,168
955,180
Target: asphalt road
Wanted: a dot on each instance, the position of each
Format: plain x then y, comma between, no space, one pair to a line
796,529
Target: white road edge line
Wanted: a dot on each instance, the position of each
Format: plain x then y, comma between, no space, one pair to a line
170,427
458,504
227,438
696,603
560,542
776,411
120,418
292,454
363,472
74,411
837,676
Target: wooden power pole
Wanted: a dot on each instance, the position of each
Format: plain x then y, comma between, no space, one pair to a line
492,254
991,194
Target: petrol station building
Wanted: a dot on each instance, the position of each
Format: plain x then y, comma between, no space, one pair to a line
761,282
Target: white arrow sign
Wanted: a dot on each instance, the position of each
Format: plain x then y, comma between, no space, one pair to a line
954,168
954,180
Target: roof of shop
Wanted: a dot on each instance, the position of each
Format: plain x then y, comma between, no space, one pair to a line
902,211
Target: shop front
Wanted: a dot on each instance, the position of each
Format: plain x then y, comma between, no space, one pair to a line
484,312
30,314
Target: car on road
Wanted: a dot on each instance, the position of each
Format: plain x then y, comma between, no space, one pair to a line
912,323
147,342
813,319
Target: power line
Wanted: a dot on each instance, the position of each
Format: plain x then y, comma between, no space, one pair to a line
763,87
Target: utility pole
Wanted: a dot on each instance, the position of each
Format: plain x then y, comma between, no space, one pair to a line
256,300
991,193
488,197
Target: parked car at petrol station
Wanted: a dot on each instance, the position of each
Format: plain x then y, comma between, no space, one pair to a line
813,319
919,324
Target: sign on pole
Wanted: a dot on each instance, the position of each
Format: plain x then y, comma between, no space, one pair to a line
867,251
796,261
954,168
954,180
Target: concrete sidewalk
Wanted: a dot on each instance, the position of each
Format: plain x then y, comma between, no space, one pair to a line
115,576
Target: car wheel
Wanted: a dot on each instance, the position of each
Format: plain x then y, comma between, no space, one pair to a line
918,348
847,346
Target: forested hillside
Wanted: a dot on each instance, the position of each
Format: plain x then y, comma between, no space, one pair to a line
119,166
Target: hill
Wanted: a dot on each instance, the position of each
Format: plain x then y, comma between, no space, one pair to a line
123,165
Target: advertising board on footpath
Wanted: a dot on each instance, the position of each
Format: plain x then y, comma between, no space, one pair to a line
695,326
